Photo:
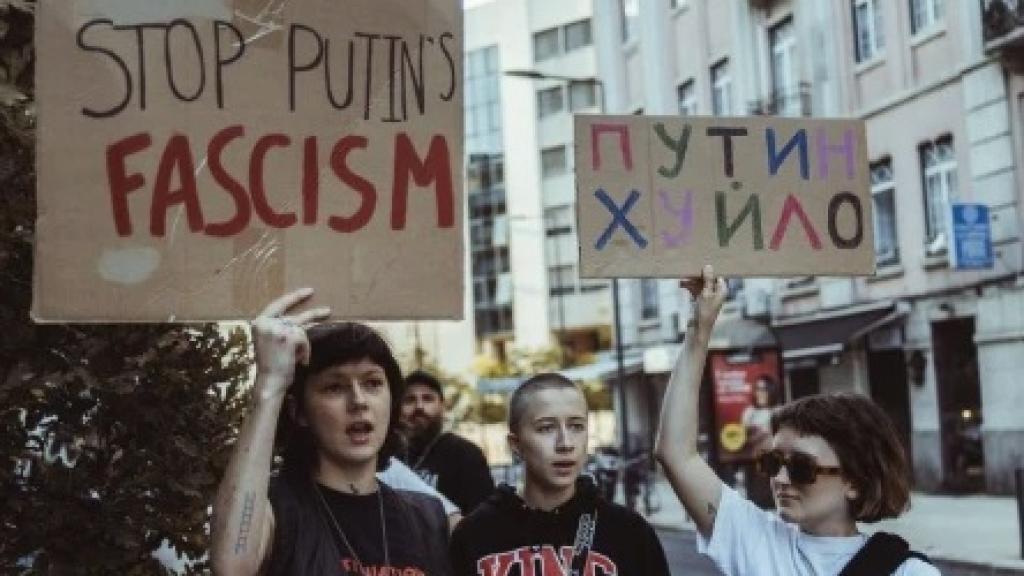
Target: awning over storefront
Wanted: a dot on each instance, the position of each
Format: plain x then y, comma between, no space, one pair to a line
830,333
740,333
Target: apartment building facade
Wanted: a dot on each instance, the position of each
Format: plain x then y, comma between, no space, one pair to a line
939,87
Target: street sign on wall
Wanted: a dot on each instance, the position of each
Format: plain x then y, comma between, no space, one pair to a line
972,237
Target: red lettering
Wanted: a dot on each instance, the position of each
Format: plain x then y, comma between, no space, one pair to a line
597,560
525,556
622,131
177,157
256,185
792,206
310,182
551,565
435,168
495,564
339,156
243,211
122,183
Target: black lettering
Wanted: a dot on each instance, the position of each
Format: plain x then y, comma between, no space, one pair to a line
393,64
727,135
169,61
293,68
416,78
351,74
91,113
833,215
221,61
451,64
369,69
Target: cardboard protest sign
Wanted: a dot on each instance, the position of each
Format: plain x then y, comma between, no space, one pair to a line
754,196
198,158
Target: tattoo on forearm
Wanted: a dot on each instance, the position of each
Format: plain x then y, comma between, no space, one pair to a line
248,506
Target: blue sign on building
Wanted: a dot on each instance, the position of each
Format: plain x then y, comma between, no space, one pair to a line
972,237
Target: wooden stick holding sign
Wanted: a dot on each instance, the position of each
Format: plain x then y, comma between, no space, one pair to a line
758,196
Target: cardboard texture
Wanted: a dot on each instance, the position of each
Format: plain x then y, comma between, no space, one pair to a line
662,196
197,159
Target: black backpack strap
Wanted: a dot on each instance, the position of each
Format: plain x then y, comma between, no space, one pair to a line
920,556
881,554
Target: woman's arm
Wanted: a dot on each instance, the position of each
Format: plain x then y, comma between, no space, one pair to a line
695,483
243,522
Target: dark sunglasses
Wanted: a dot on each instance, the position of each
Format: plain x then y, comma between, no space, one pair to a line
802,468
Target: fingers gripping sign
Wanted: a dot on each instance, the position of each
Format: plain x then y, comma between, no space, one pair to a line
279,335
708,294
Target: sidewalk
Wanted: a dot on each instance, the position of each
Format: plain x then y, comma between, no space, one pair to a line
962,534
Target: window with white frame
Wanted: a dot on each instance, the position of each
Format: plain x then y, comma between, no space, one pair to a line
648,298
561,279
883,195
547,44
924,14
785,86
582,95
869,37
577,35
687,98
721,89
549,101
558,220
553,161
938,165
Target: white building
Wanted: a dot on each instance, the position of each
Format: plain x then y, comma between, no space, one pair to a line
940,349
524,290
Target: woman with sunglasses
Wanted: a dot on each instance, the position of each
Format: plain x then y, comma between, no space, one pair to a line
833,461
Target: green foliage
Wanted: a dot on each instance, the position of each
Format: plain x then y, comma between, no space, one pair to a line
599,396
112,438
493,409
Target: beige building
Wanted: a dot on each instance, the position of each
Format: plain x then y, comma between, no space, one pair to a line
938,84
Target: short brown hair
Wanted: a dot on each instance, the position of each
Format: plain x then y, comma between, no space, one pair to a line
544,381
865,440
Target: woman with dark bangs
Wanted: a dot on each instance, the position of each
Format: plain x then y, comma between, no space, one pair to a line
330,393
833,461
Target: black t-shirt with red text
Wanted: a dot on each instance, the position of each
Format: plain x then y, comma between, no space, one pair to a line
505,537
307,542
359,517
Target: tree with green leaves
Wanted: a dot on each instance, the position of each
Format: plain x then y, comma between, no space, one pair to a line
112,438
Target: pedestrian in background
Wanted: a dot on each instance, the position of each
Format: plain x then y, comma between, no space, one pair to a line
451,464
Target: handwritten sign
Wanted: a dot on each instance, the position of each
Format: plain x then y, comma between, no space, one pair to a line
755,196
198,158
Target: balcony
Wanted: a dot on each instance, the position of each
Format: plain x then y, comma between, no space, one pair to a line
791,102
1003,24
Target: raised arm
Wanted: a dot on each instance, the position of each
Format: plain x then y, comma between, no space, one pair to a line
695,483
243,522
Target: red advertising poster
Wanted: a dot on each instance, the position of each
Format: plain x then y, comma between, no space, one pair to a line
746,388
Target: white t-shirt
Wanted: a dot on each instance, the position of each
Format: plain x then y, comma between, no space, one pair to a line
749,541
398,475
